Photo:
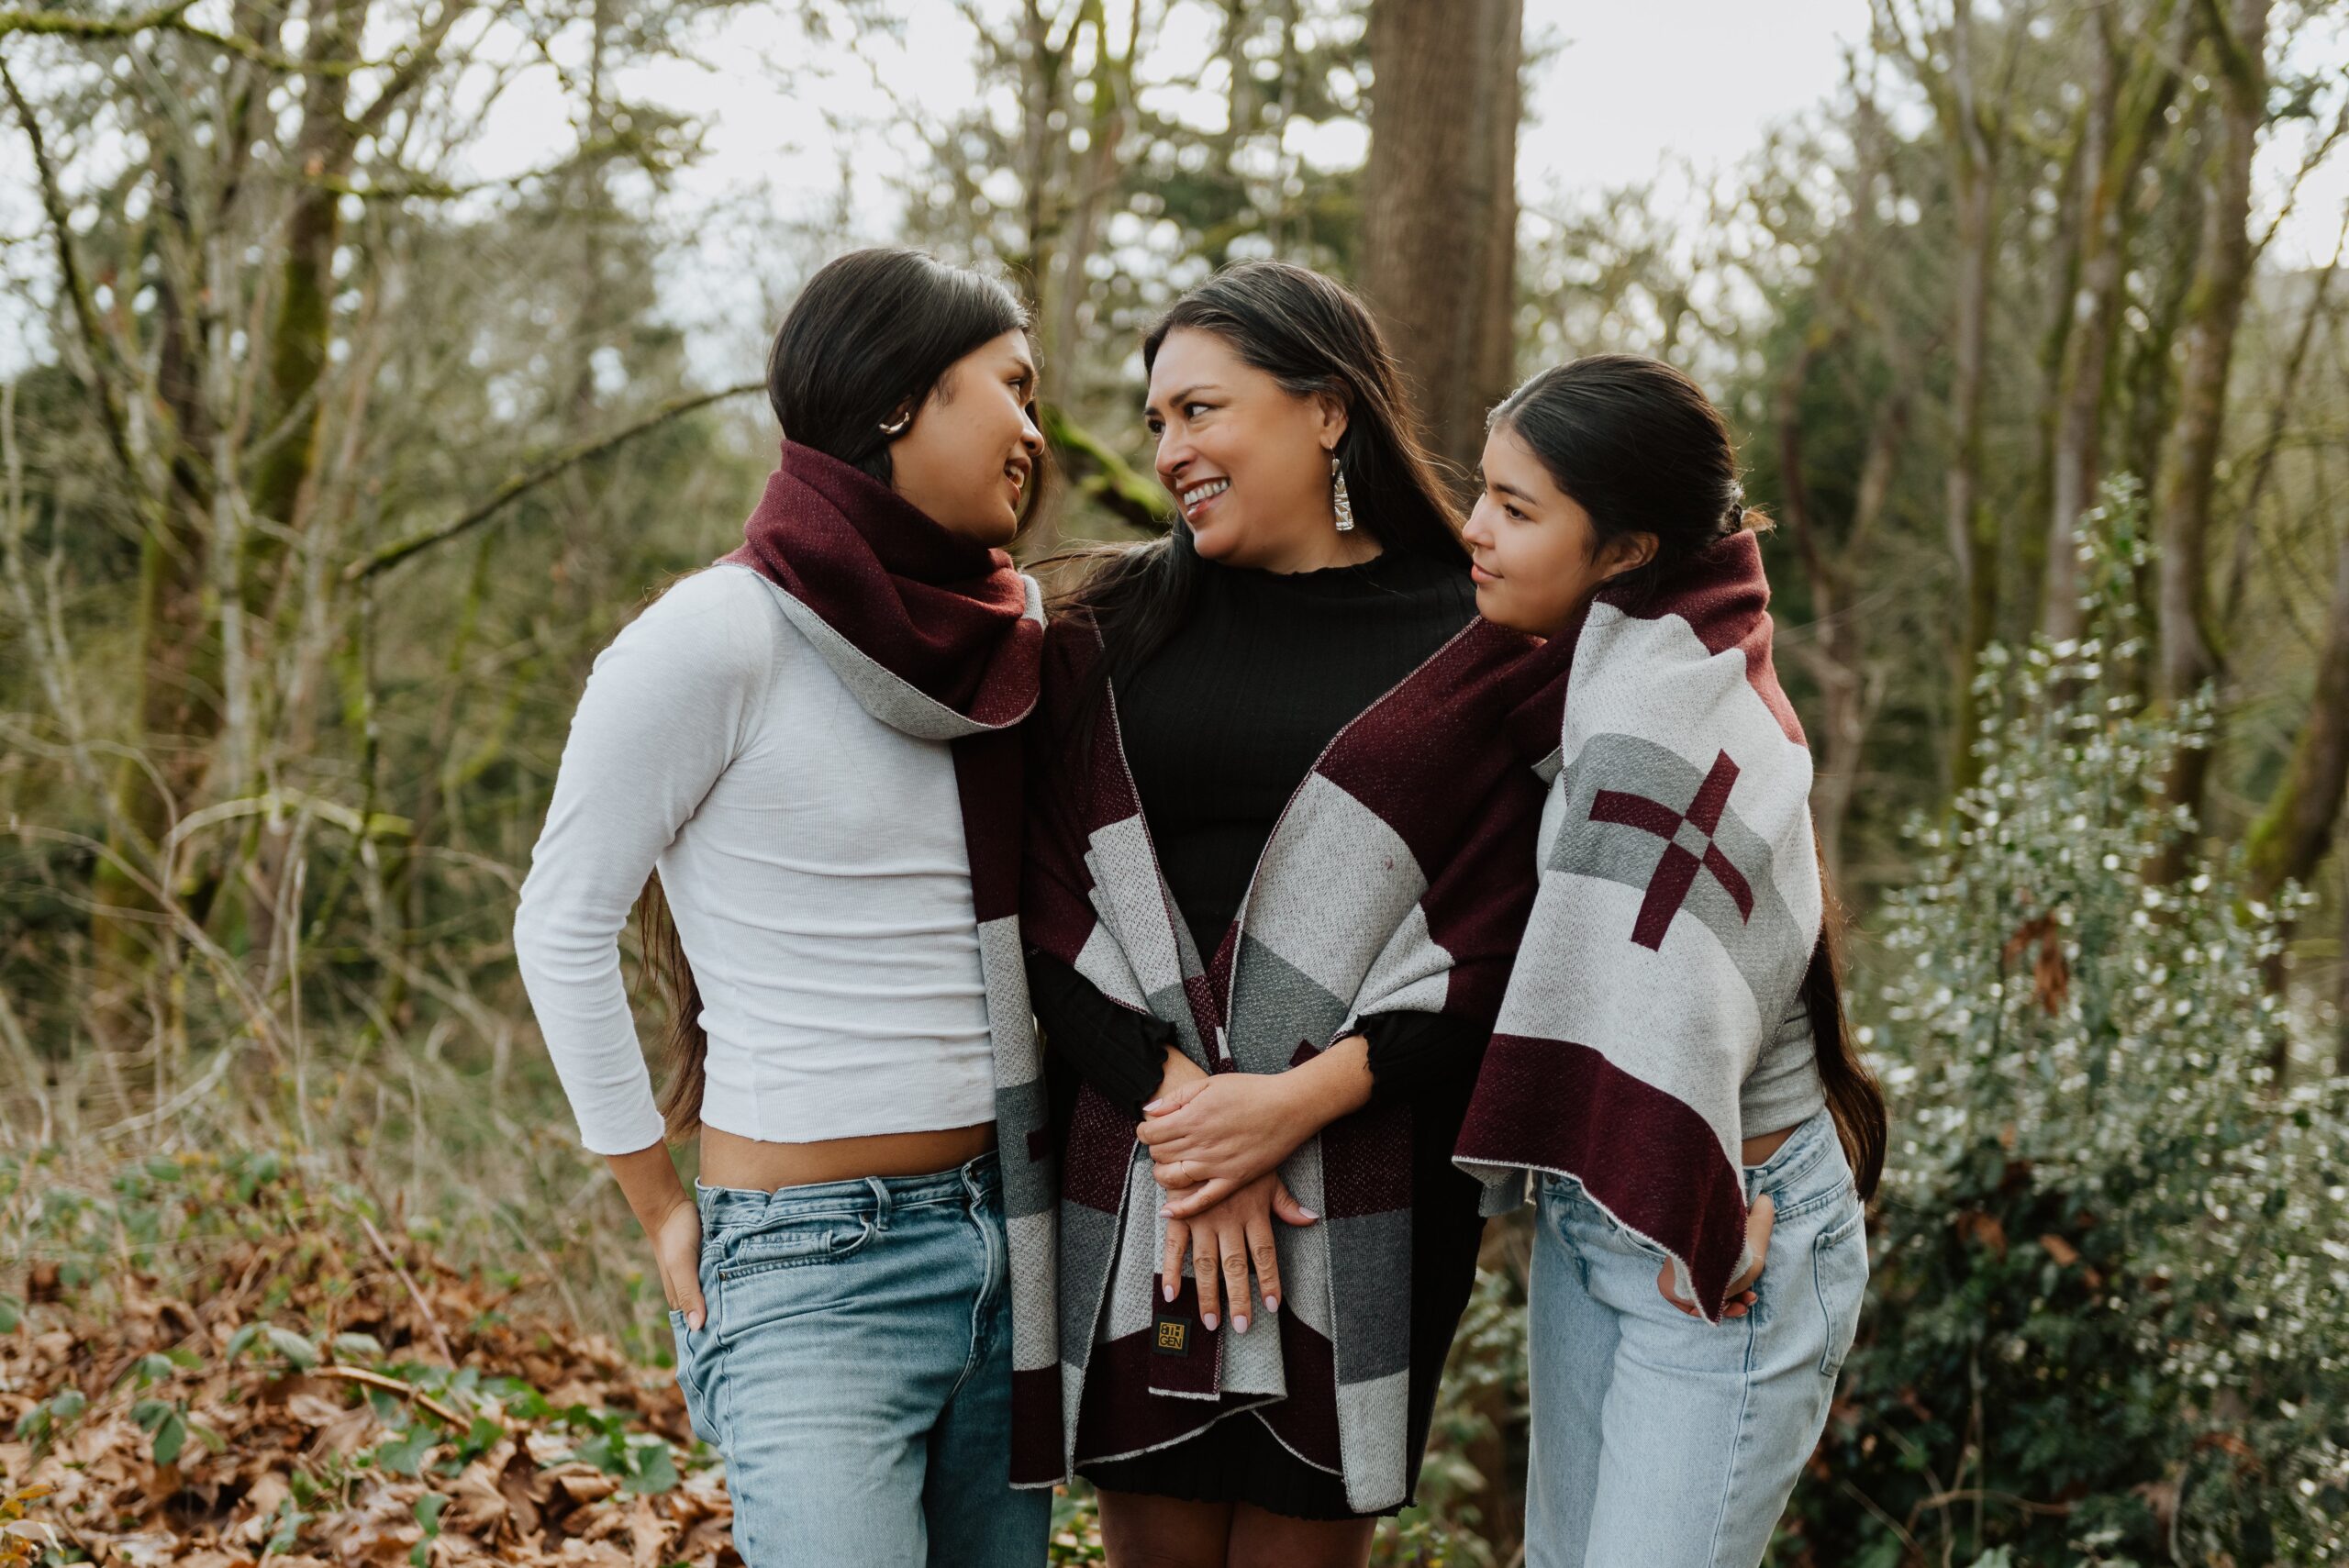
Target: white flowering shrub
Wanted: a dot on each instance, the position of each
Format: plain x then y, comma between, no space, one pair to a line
2110,1318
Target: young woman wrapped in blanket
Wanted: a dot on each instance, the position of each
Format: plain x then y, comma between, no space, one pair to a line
1671,1066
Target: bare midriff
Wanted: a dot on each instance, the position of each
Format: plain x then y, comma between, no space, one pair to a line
1757,1151
729,1160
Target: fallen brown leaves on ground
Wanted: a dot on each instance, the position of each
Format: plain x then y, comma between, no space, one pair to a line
231,1359
292,1384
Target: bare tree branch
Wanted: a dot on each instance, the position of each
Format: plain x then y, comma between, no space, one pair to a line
521,484
77,289
172,19
59,23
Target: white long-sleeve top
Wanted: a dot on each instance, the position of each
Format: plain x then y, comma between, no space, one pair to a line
813,859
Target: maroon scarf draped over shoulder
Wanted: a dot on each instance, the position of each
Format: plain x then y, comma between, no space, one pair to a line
940,638
944,613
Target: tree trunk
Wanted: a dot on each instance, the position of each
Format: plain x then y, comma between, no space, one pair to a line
1852,698
2080,380
1834,653
175,673
2290,838
2126,108
299,333
2279,412
2213,312
1439,205
2026,573
591,199
2341,997
2292,834
1974,529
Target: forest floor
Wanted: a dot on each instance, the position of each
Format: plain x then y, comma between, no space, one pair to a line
213,1363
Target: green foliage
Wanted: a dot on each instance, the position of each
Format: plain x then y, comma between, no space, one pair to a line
642,1461
1077,1529
168,1422
2104,1325
45,1422
428,1515
404,1453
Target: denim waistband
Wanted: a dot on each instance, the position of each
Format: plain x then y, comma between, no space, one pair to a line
881,1197
1809,1143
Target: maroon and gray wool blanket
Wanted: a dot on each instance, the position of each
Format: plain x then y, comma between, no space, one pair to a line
1398,878
1679,903
939,637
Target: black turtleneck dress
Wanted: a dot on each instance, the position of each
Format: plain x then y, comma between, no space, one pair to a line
1221,727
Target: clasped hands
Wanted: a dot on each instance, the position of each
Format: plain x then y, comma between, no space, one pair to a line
1215,1145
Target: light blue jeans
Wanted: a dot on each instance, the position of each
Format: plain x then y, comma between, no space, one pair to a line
1660,1440
854,1371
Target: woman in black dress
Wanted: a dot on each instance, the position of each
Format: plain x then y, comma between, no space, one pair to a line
1316,564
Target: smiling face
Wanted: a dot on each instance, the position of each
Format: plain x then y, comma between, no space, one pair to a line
1246,459
971,453
1537,558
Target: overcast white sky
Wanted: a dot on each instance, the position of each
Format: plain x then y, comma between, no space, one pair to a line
1623,88
1626,91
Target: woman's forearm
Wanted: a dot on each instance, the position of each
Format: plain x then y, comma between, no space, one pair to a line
1208,1138
1335,1083
1178,1071
672,1223
650,1181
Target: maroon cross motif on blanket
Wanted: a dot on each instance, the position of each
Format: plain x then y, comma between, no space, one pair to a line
1688,845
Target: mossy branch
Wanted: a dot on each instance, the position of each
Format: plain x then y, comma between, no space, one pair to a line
399,550
170,19
1104,478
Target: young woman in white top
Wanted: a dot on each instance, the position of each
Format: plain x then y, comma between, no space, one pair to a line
787,738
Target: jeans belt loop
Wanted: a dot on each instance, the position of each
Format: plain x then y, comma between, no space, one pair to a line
880,1202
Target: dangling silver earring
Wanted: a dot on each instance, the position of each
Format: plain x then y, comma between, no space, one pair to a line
1339,502
893,431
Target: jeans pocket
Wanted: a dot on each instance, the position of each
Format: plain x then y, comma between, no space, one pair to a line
1839,1268
797,1240
1603,1229
692,1373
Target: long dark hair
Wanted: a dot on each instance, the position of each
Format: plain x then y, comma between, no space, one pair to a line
1641,448
871,336
1311,335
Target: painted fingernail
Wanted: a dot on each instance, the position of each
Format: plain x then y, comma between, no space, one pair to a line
1165,1211
1151,1104
1207,1318
1240,1322
1169,1288
1272,1304
1307,1212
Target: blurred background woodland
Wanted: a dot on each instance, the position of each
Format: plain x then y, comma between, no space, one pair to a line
337,436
